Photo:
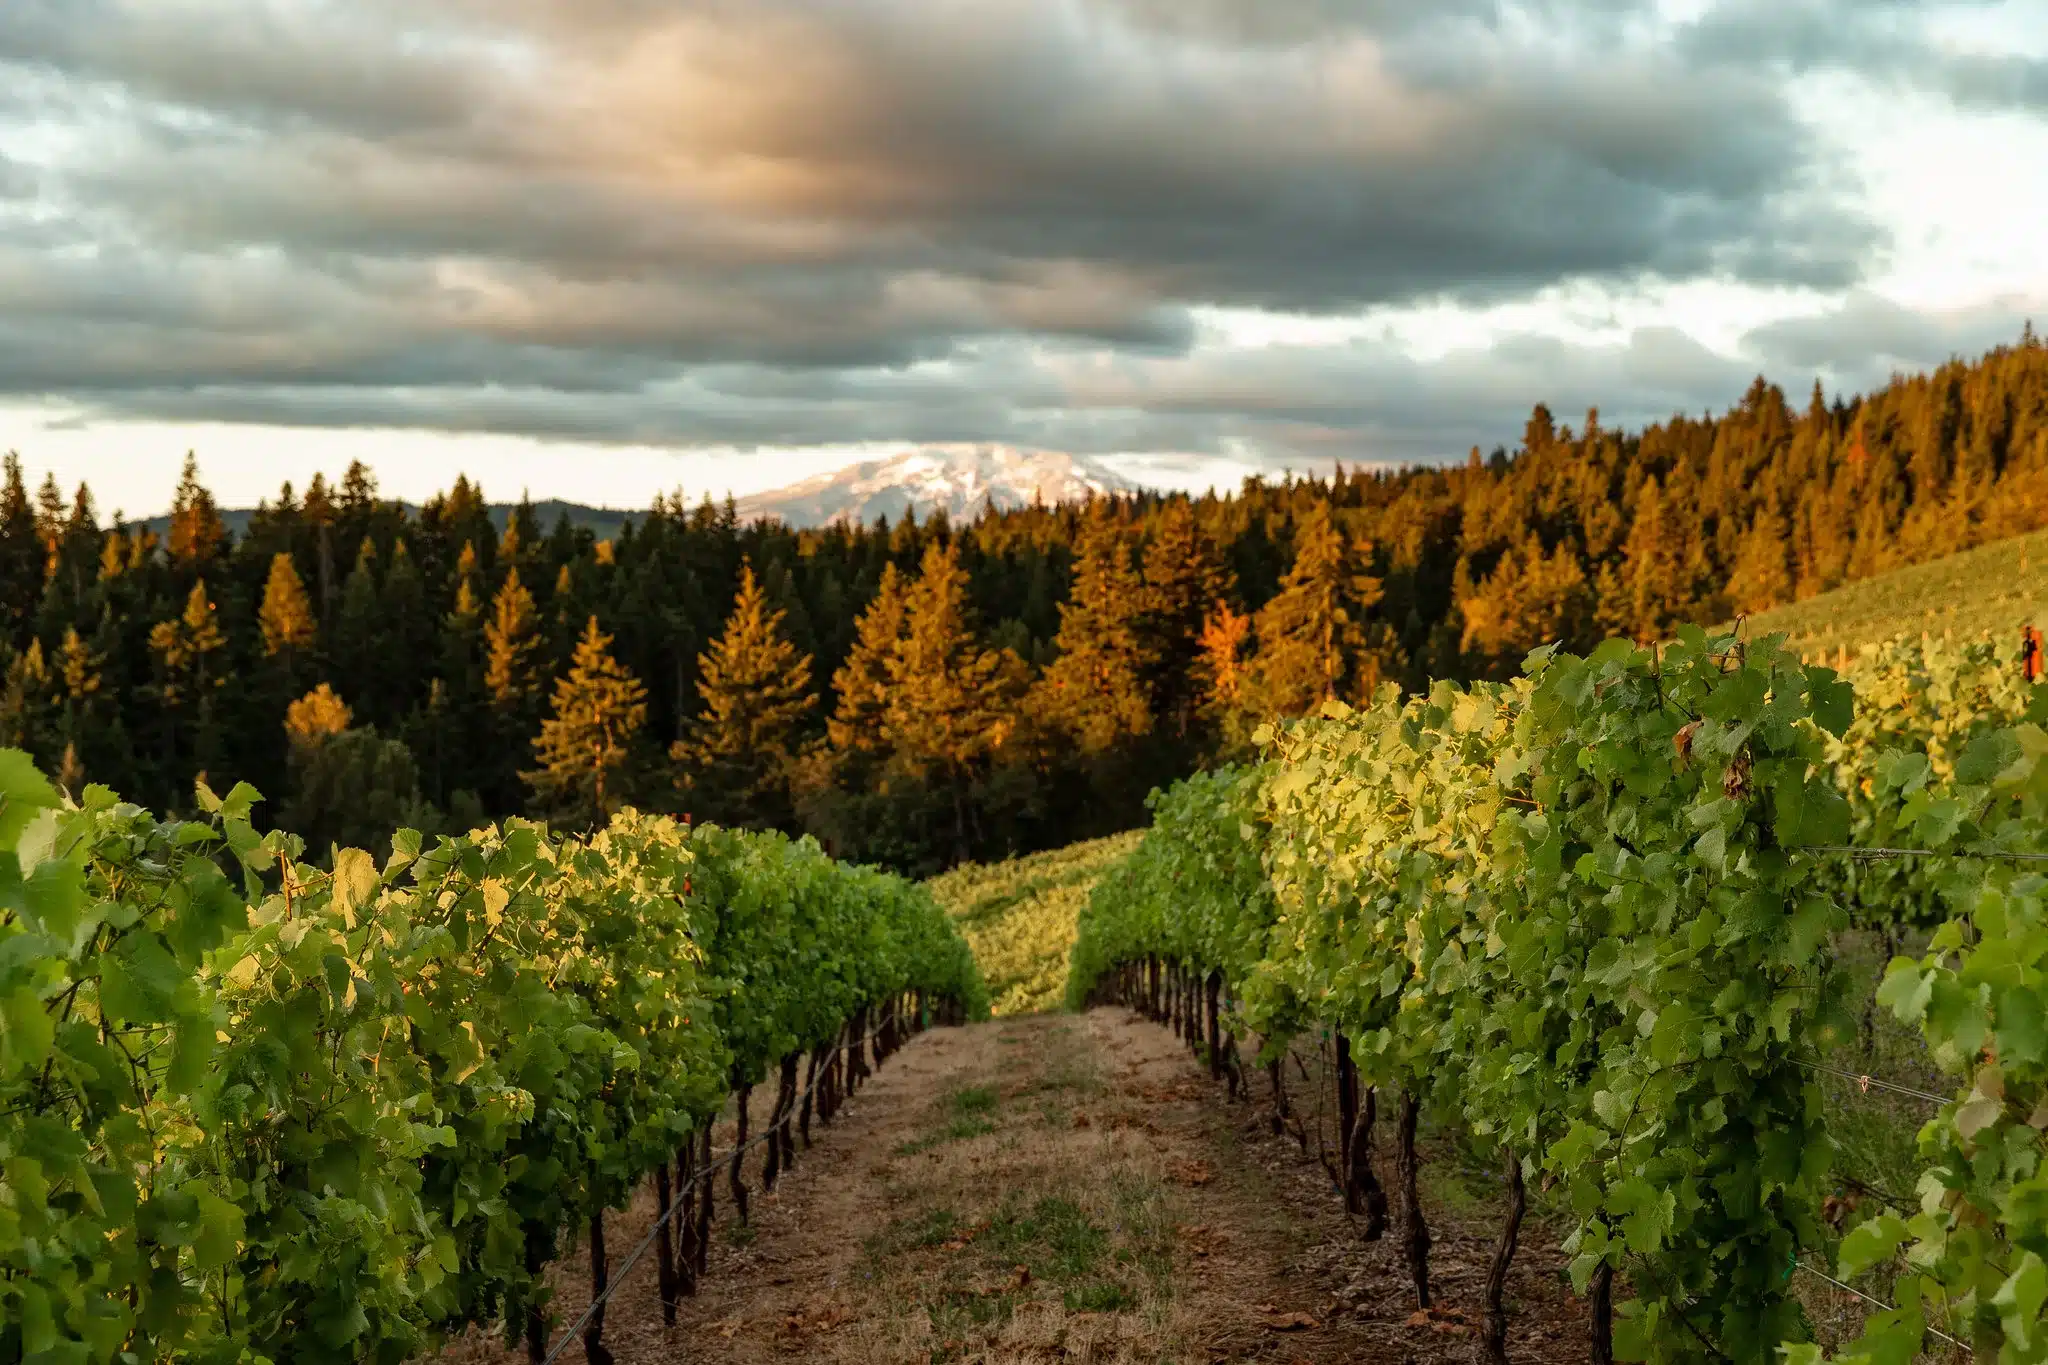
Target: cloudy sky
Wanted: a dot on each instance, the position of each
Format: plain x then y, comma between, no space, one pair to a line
598,248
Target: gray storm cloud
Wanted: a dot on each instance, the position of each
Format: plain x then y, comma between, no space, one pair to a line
795,221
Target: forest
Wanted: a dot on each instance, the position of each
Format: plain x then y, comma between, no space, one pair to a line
923,693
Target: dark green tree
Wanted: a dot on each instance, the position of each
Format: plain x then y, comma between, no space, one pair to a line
589,748
736,762
1314,637
1094,696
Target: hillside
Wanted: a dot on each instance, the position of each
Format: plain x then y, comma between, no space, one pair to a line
1019,916
1994,589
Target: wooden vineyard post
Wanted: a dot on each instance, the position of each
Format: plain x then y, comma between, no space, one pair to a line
858,1055
784,1137
771,1160
686,1221
1212,999
1493,1326
1347,1113
706,1177
803,1123
664,1247
536,1317
737,1183
1415,1231
593,1332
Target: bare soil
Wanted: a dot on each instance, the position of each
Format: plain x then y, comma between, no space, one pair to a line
1069,1188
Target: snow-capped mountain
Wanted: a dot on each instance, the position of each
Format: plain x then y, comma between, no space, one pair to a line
959,479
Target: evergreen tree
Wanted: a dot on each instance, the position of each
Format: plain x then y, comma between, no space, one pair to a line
350,787
1185,585
197,534
461,657
408,633
951,705
286,616
21,559
89,724
1094,693
188,675
862,683
513,679
317,716
735,762
50,523
1313,636
357,655
26,704
513,650
589,747
1531,598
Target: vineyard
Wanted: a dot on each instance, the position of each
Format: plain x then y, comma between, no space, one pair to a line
1591,918
1610,925
254,1110
1019,916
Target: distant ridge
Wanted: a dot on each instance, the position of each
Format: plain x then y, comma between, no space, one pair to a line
960,479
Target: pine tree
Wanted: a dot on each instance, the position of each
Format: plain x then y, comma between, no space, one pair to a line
317,716
512,644
50,523
408,632
21,559
862,683
188,677
350,786
1095,690
589,746
89,723
1186,584
951,704
1531,598
196,531
736,759
26,704
185,647
461,635
1313,636
286,616
1221,666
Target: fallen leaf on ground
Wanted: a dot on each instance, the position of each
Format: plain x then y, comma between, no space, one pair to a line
1289,1322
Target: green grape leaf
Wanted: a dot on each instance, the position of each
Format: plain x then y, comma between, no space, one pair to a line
1870,1243
24,792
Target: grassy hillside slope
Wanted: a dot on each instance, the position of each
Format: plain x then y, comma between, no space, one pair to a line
1019,916
1995,589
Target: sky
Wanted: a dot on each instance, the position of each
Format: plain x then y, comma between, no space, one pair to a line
602,249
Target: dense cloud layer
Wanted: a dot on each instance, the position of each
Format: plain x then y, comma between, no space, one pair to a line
795,221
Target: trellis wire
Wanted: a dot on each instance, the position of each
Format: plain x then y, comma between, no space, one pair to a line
1877,1303
1867,854
1868,1082
618,1277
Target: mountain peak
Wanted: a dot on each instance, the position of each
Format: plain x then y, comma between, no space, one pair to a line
961,480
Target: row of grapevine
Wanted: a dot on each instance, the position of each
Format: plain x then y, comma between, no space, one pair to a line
252,1110
1943,768
1584,914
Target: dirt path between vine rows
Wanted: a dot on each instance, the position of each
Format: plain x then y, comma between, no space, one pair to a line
1065,1188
